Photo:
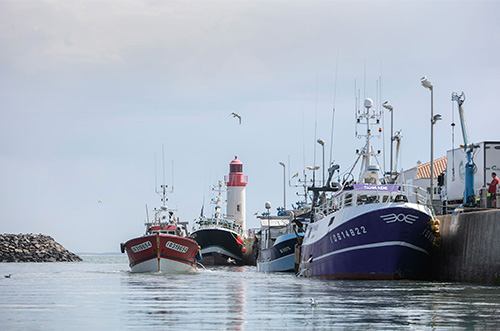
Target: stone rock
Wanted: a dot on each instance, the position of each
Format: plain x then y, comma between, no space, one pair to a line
33,248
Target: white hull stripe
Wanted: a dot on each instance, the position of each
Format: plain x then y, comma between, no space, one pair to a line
218,249
276,260
382,244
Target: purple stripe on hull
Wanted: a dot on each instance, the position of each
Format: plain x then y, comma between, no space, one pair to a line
385,243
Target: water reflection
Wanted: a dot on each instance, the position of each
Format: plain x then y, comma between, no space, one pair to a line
105,296
237,301
406,305
210,298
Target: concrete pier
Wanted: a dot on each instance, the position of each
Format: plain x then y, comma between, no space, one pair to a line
470,248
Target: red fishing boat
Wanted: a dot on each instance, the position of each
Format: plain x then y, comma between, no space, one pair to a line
165,247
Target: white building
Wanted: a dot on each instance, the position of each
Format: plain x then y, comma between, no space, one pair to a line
421,174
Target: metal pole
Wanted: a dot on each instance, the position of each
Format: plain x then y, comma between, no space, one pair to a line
284,186
432,145
388,106
425,83
284,189
323,145
267,232
392,139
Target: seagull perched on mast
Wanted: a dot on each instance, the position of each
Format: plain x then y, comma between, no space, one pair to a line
236,116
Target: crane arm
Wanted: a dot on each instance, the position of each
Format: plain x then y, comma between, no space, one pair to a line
460,101
397,137
470,167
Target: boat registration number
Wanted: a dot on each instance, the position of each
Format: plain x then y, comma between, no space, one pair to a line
176,247
285,249
338,236
141,247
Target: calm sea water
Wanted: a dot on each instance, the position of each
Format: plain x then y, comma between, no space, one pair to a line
101,294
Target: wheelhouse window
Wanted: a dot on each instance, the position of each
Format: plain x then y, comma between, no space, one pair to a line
366,198
348,199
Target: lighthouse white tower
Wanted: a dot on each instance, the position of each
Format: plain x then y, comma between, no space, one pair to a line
236,183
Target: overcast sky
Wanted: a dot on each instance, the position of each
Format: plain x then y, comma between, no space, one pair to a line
90,90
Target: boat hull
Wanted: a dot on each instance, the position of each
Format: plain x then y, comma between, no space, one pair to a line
385,243
219,246
280,257
161,253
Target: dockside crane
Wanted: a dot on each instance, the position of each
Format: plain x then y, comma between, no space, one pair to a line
398,135
470,167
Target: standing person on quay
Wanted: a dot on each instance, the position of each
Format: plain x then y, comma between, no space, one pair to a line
492,189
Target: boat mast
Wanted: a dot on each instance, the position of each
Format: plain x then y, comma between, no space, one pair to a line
163,192
366,152
164,195
368,172
368,155
218,202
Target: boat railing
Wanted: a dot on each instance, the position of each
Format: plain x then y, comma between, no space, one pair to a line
232,179
416,194
372,194
160,223
218,223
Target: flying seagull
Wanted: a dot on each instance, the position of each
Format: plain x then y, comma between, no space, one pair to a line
236,116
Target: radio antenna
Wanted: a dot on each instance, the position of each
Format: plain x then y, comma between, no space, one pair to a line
333,111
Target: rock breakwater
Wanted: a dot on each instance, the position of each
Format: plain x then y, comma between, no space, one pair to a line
33,248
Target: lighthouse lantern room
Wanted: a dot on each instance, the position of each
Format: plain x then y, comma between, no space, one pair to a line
236,183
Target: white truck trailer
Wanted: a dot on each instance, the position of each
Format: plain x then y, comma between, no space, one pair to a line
486,159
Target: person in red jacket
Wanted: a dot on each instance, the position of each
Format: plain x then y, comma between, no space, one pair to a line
492,189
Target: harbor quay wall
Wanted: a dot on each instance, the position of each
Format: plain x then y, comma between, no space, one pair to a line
470,248
251,250
33,248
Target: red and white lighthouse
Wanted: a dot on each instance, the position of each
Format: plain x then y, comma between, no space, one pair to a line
236,183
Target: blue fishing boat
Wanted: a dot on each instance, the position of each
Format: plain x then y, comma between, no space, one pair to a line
369,228
278,238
